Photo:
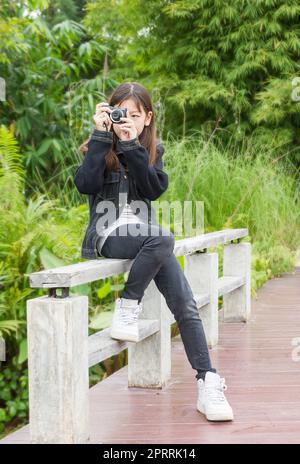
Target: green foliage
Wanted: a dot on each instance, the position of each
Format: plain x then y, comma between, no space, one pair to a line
45,101
240,189
13,395
212,64
218,66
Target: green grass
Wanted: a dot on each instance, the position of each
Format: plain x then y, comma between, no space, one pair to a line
240,189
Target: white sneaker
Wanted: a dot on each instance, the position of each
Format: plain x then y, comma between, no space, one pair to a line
125,320
211,399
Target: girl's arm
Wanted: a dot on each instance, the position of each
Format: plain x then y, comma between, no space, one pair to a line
89,176
151,181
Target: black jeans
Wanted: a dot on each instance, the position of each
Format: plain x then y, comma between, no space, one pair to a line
154,259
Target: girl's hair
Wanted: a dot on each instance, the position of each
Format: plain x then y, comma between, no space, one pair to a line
147,138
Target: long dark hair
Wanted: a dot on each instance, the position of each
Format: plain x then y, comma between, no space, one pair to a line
148,136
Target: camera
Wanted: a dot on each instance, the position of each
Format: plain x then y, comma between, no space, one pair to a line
117,114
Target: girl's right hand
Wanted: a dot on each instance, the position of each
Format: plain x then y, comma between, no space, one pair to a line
101,117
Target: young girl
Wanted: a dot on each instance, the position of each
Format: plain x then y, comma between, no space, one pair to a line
126,157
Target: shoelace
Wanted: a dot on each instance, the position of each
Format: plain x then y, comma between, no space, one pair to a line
215,393
129,316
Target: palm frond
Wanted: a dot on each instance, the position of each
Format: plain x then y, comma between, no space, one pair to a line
6,327
10,158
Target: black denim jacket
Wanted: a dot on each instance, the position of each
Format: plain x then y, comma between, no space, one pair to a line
141,183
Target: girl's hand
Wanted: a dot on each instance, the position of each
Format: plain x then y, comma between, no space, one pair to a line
126,130
101,117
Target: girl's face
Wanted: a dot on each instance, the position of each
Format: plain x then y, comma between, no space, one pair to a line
139,117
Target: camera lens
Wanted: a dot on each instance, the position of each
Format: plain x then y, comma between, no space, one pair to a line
115,115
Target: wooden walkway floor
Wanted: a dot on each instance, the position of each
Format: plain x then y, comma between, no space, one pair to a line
262,378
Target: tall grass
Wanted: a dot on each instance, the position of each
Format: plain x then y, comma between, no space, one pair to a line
241,186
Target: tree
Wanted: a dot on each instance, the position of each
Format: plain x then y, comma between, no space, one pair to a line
225,63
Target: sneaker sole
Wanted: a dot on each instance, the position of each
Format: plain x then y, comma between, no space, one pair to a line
123,337
216,417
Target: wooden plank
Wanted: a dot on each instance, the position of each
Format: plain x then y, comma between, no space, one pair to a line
79,273
191,244
227,284
102,346
96,269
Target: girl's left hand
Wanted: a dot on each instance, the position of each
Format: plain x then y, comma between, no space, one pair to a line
126,130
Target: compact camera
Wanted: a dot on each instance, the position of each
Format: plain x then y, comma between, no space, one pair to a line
117,114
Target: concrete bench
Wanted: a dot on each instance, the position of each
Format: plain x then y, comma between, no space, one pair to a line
60,350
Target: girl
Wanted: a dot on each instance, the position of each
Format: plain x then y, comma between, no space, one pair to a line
126,157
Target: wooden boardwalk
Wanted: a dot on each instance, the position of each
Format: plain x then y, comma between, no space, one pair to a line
262,378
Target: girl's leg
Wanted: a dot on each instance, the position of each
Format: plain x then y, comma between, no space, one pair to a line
172,283
154,258
149,250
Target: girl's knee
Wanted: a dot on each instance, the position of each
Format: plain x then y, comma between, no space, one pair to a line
184,310
166,243
163,245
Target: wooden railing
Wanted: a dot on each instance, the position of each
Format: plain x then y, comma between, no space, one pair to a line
60,350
